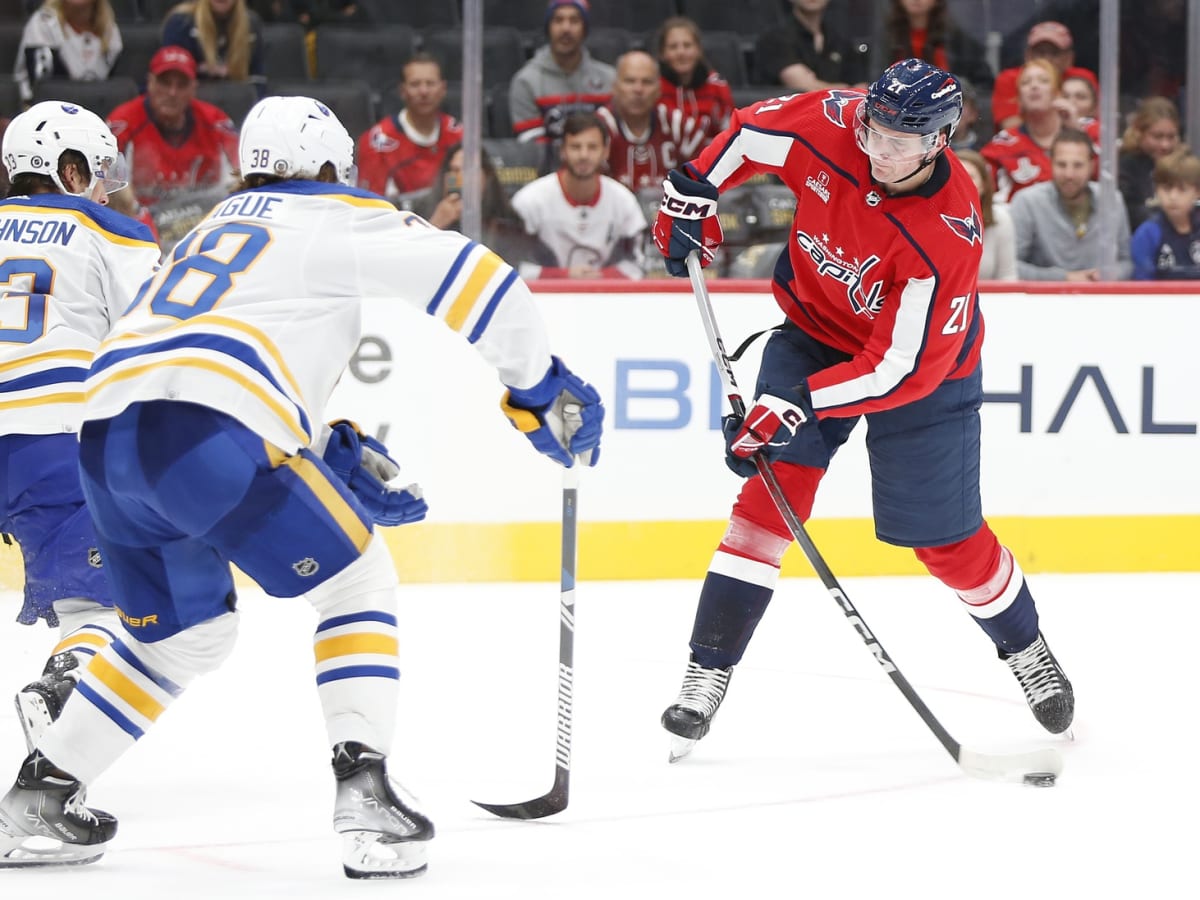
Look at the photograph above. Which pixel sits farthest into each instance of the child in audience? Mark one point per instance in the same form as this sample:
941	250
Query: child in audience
1167	245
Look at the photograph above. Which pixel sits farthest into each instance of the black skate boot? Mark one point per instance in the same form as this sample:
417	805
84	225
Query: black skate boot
384	835
48	803
689	717
41	702
1046	687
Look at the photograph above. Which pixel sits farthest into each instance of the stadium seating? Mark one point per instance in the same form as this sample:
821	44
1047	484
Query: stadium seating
234	97
285	54
101	97
503	52
350	100
140	41
374	55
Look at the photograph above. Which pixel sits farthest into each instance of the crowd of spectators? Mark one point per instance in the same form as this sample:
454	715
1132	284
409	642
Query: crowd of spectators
656	96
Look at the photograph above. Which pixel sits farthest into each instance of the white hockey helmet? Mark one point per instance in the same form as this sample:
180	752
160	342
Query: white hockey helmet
295	136
36	139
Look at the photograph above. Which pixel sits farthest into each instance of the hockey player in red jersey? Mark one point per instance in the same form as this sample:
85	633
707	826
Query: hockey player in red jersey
878	286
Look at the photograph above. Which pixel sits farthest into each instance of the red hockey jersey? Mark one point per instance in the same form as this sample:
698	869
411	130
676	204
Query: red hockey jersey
1018	161
888	280
710	103
204	156
394	160
640	161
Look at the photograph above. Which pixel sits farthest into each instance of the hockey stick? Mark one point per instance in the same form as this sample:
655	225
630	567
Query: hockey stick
1042	766
556	800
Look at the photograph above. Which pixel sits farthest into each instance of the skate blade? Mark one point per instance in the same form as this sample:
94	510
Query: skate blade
680	747
34	716
33	851
368	854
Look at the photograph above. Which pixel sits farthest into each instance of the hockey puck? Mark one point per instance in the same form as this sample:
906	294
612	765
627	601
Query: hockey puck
1041	779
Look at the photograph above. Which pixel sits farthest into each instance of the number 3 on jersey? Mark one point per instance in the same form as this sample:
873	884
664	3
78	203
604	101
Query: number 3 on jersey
202	269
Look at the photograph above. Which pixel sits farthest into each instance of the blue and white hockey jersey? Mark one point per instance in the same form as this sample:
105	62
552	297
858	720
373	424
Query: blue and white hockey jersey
68	269
256	313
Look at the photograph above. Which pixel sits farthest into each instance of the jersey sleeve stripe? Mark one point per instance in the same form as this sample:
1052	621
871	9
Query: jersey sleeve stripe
461	308
900	360
451	275
488	311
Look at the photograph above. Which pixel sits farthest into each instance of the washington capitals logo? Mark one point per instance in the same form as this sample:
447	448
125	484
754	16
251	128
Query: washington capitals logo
968	228
835	104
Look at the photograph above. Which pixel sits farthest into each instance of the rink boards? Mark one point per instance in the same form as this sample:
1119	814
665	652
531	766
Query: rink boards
1090	436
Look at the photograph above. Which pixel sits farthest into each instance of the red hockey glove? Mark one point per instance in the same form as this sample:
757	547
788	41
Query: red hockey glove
687	220
766	429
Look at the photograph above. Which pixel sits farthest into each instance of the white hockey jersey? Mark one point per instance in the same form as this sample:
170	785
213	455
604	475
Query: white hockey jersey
607	232
257	311
50	48
68	269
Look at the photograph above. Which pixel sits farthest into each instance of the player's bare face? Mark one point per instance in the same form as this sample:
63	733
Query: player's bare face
680	51
637	87
1071	167
170	94
423	88
584	154
566	31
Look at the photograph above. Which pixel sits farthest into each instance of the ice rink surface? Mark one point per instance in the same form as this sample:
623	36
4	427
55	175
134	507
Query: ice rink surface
818	780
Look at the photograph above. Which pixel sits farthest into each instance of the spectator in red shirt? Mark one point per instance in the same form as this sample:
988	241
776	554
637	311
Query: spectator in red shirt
645	140
689	83
1051	41
172	141
402	153
924	29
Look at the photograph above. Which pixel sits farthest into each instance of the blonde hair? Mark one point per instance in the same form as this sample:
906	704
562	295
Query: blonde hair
972	158
1149	111
238	36
103	19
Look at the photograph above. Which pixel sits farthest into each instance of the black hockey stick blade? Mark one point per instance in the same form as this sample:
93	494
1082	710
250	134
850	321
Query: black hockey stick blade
539	808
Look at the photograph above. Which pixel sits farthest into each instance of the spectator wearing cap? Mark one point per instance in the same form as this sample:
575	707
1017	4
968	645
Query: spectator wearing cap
402	153
79	40
224	37
173	142
562	77
1051	41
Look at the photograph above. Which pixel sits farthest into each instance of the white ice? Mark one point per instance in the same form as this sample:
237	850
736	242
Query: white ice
818	780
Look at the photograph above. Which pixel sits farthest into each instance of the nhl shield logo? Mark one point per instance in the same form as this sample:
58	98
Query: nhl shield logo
873	198
306	567
95	560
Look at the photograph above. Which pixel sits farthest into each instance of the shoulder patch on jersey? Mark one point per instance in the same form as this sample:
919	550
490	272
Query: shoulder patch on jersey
834	106
380	141
968	227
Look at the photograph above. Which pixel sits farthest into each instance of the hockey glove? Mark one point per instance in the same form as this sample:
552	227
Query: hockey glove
687	220
767	428
561	415
364	465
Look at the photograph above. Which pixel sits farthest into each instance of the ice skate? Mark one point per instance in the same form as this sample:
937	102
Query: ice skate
1046	687
44	820
383	833
41	702
689	717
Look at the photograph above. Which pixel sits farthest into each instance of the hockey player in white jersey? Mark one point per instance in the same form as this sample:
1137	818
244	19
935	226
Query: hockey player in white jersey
202	445
68	268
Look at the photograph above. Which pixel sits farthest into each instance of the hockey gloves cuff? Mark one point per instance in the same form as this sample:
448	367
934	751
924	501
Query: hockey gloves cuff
766	430
561	415
687	220
364	465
